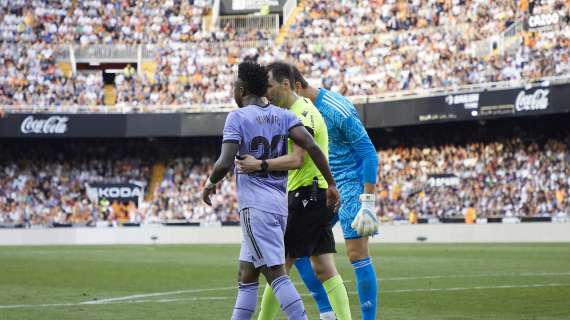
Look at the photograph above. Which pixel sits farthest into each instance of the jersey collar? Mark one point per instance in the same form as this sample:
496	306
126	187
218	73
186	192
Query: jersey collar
319	99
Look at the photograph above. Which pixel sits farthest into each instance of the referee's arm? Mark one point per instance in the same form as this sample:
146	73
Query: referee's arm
291	161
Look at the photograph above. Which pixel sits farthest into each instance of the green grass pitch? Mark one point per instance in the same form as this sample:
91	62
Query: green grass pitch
421	281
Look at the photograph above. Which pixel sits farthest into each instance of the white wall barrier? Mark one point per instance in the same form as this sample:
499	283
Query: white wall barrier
440	233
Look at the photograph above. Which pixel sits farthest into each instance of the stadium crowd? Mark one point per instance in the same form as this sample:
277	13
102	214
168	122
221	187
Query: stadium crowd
45	184
525	174
336	49
394	45
323	18
504	178
355	47
179	196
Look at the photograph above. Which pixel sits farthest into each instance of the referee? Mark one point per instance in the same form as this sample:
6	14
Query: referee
308	232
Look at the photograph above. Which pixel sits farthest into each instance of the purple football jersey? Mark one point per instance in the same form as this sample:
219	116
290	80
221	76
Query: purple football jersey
261	132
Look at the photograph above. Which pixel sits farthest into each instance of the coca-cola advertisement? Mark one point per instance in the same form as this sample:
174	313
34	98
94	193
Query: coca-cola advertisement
54	125
532	101
534	98
113	125
41	125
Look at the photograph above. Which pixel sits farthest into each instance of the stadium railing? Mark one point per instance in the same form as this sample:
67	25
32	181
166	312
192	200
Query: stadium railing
510	41
106	53
120	109
488	86
224	107
460	27
149	50
63	53
288	8
251	22
215	12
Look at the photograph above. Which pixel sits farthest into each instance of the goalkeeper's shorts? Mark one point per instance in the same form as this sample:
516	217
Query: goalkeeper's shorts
349	207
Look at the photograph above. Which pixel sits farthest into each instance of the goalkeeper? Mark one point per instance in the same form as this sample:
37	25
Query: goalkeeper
354	164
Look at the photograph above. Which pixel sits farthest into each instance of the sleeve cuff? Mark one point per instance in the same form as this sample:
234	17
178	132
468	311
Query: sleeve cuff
311	131
298	124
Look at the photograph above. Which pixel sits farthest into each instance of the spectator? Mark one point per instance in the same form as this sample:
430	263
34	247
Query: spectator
129	72
521	173
414	46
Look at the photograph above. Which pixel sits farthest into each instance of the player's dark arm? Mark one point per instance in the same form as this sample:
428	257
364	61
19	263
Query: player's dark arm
221	168
224	162
303	139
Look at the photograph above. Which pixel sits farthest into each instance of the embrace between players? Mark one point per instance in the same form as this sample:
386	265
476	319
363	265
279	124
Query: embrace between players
270	139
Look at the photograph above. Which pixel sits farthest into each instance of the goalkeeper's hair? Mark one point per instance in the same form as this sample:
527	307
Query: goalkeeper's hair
254	76
282	71
299	77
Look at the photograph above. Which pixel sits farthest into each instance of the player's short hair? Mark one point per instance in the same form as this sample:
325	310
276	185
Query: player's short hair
282	71
254	77
299	77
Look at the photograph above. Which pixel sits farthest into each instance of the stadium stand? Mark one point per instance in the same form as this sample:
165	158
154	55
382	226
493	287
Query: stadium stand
414	46
359	48
507	169
505	178
44	184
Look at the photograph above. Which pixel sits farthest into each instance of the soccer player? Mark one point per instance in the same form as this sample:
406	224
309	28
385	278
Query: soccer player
354	164
308	231
262	129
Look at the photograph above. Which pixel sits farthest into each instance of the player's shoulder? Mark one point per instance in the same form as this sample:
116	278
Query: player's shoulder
303	106
281	111
238	112
246	109
234	116
336	104
305	102
277	109
255	109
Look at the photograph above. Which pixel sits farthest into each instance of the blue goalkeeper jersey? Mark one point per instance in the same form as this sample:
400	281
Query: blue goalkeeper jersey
352	157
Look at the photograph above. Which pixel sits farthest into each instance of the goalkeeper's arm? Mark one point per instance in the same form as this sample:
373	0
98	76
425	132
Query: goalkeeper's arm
366	222
366	154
